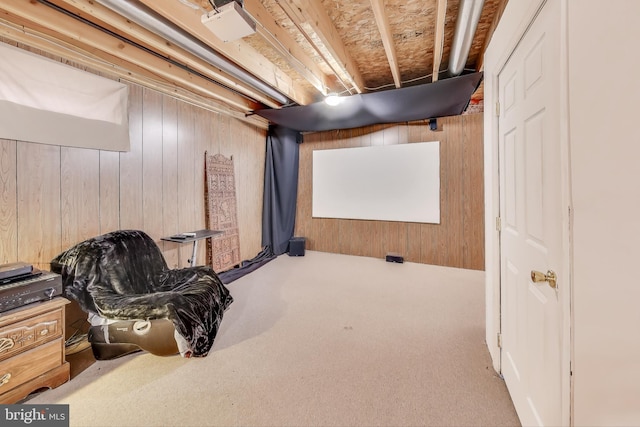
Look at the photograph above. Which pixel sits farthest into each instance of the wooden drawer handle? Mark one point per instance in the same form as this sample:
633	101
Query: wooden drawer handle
6	344
5	379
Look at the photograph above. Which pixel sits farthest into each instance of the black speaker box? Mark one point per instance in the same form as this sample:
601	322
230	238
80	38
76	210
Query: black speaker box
393	257
296	246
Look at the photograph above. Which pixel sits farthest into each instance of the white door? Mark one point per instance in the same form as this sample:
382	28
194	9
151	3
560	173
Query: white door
531	218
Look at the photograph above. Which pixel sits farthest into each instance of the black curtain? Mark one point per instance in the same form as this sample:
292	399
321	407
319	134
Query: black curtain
279	200
280	188
247	266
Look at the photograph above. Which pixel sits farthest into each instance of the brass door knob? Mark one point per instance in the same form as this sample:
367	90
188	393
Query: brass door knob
550	278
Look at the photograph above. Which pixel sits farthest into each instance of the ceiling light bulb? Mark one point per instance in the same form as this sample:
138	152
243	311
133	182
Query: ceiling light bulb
333	100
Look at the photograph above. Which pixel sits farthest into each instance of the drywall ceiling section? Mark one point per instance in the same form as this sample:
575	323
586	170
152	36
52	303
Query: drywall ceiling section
447	97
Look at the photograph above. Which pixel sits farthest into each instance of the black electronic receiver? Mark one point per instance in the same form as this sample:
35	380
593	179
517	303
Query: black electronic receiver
42	286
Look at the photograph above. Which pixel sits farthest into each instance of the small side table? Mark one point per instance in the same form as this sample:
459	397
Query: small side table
182	238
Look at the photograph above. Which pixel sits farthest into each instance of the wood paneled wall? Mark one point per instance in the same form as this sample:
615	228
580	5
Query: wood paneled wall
458	241
52	197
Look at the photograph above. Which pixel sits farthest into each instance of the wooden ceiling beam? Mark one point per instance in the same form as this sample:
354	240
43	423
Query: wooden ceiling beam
241	53
441	14
287	46
96	13
387	39
95	41
312	20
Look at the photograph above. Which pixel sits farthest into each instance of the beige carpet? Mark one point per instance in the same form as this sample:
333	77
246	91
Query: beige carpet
319	340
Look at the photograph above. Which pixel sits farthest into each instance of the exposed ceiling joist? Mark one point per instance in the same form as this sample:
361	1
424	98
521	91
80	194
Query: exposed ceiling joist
387	39
311	18
95	12
287	46
438	46
92	40
237	51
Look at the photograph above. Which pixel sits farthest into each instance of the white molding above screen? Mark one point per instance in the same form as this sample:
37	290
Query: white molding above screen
398	182
48	102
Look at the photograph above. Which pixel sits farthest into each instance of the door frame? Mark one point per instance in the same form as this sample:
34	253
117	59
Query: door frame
515	21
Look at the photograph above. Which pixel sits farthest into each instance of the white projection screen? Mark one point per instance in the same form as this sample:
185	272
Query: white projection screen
389	183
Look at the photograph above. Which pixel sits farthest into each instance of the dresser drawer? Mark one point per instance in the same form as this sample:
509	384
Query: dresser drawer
20	369
26	334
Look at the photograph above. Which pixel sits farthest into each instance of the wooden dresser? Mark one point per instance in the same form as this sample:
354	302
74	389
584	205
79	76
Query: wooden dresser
32	349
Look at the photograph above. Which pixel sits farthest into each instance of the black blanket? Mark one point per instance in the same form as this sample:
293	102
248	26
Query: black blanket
123	276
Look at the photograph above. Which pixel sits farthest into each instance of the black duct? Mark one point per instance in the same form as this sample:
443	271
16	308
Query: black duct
442	98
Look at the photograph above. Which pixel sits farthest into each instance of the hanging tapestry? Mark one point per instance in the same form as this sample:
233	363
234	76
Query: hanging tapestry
223	250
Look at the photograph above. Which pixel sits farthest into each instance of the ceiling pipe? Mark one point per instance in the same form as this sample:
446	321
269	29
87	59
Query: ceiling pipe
468	16
152	21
